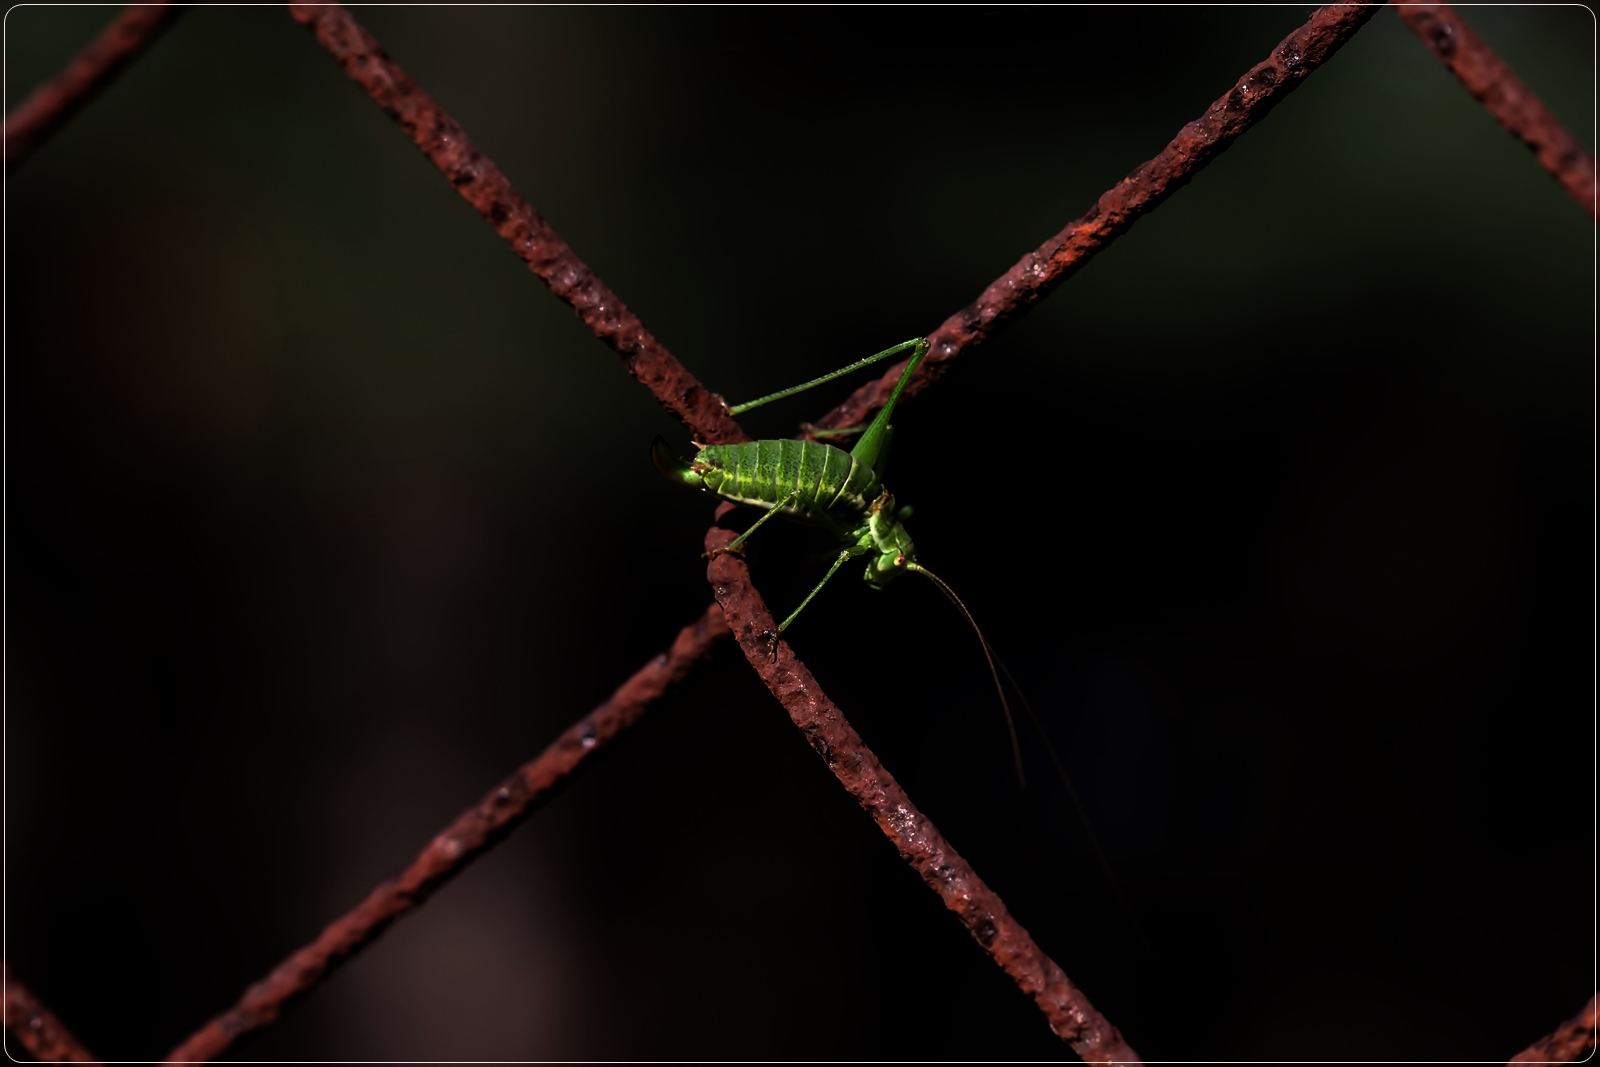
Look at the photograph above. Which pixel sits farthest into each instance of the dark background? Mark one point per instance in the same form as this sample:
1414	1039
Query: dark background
322	515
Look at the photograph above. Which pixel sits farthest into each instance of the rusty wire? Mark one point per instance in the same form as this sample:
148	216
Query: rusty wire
1571	1042
482	184
50	105
40	1032
471	834
1502	93
918	841
535	242
1258	91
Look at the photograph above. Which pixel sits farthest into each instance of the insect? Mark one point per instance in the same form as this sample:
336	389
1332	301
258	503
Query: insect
818	484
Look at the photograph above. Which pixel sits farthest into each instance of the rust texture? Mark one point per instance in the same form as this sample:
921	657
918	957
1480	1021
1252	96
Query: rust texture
1040	271
1572	1042
982	912
54	102
472	833
919	842
40	1032
476	178
1512	104
538	245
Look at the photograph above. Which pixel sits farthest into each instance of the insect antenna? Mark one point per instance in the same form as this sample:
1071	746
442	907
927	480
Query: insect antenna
1083	815
1005	705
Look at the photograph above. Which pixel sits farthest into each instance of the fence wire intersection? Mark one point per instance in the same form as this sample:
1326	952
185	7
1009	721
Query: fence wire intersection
739	609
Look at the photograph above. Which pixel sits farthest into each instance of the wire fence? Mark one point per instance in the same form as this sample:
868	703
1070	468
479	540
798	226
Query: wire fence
739	610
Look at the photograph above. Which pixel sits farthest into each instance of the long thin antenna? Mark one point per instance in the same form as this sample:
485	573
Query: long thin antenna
1005	705
1083	813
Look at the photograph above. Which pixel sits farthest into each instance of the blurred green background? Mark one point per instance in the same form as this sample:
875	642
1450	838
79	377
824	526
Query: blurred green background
322	514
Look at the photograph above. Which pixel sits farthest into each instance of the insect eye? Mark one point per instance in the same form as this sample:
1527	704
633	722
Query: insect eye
899	561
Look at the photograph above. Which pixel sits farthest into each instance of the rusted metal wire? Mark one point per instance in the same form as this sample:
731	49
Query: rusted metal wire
472	833
1040	271
480	182
919	842
980	910
486	188
51	104
1512	103
40	1032
1572	1042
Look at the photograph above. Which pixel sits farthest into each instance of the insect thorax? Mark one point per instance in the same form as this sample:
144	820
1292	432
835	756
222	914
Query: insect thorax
892	547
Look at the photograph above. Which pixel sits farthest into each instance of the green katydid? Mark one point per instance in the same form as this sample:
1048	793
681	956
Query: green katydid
820	485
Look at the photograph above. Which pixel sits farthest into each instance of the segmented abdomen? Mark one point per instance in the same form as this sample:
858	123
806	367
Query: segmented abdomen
766	473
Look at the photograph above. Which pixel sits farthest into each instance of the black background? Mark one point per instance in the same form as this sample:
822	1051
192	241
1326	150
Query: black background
322	515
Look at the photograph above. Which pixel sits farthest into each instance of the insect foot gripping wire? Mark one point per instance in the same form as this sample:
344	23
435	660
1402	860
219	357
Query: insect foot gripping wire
811	482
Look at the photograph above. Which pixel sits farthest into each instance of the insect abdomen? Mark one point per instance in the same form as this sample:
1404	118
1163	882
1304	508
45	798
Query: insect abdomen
767	473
